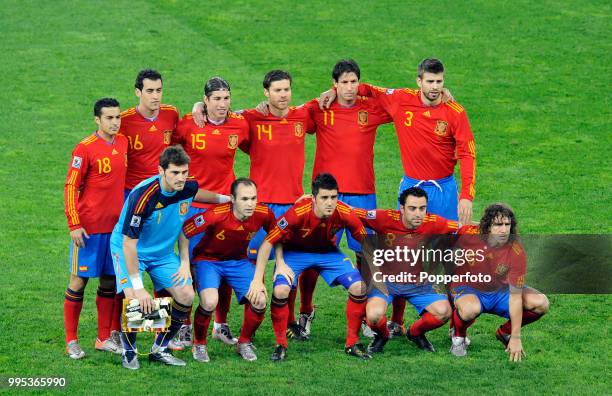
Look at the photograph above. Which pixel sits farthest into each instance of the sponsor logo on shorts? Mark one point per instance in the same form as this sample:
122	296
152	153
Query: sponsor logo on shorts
76	162
135	221
371	214
390	91
282	223
83	268
199	221
123	281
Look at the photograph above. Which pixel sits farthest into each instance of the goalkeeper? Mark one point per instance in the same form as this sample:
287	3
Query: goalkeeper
144	239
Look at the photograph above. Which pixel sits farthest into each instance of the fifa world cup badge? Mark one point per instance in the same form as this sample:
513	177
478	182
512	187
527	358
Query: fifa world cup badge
299	129
362	117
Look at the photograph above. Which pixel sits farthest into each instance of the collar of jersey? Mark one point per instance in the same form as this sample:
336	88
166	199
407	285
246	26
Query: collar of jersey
164	193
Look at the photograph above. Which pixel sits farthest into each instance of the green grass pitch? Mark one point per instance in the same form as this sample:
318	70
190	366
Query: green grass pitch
534	78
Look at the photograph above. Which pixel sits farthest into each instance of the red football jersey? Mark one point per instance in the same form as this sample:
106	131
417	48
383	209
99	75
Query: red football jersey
299	228
93	193
345	142
212	150
226	238
393	233
276	147
147	140
506	264
431	138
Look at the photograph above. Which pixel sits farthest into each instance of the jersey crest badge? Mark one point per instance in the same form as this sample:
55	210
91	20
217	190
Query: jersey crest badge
362	117
199	221
299	129
135	222
371	214
441	128
76	162
167	136
282	223
232	141
183	208
501	269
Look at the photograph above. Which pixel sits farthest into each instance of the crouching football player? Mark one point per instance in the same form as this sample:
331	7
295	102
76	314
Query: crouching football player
144	239
505	295
410	227
221	255
307	232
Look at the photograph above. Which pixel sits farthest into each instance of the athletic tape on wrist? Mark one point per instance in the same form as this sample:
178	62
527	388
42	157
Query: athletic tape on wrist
136	282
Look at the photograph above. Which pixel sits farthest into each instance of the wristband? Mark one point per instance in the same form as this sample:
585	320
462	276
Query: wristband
136	282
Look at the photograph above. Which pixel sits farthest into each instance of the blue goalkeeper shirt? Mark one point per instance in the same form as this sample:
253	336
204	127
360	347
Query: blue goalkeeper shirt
154	217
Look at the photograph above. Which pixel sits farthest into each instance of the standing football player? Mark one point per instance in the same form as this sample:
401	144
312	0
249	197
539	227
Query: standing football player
212	149
148	127
93	196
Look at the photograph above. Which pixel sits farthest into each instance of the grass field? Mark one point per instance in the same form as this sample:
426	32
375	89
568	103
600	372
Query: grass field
533	76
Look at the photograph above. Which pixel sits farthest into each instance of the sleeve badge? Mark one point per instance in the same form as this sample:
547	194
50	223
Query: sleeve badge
76	162
135	222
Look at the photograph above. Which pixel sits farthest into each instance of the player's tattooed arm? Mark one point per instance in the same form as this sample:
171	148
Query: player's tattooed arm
515	346
137	290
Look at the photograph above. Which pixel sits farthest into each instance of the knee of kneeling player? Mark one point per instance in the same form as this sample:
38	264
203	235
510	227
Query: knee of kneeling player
441	310
185	295
374	314
357	288
541	304
281	291
468	311
259	306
